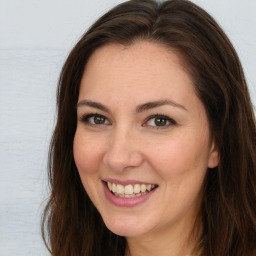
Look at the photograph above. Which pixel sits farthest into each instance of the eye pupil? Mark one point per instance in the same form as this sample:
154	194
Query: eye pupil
160	121
99	120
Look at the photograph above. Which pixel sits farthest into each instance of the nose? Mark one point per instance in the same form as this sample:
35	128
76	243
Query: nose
123	151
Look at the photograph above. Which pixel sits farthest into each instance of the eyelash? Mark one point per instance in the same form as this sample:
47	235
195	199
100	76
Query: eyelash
170	121
85	119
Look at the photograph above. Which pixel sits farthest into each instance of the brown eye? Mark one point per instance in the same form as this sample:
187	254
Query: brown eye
95	119
99	120
160	121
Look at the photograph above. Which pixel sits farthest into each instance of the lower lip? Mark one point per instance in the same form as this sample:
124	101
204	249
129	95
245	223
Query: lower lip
126	202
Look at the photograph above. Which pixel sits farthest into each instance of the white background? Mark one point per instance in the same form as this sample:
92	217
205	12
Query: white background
35	38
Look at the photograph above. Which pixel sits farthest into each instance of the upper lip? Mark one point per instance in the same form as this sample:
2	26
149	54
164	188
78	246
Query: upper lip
127	182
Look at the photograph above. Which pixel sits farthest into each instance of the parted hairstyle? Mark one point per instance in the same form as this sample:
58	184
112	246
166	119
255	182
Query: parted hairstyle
71	225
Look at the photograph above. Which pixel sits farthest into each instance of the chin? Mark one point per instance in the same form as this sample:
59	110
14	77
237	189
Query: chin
125	228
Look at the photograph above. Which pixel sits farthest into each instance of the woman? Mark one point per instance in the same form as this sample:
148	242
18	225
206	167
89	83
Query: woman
154	147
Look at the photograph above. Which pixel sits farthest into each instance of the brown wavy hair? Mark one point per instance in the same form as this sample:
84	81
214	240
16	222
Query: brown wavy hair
71	225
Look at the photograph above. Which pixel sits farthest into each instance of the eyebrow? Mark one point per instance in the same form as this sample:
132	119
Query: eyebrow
93	104
139	109
159	103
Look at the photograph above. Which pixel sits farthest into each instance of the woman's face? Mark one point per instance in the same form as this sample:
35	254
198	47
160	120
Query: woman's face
142	132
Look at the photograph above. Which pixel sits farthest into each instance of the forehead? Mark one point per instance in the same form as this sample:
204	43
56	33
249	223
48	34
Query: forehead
144	66
150	54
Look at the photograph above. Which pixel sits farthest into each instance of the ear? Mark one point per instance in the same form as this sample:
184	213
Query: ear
214	156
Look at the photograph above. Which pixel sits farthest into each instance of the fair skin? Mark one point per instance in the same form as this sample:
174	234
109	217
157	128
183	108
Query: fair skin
140	122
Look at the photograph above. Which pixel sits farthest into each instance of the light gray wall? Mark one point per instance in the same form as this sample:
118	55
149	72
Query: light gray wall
35	38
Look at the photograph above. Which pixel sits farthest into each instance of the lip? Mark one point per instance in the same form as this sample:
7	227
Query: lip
126	202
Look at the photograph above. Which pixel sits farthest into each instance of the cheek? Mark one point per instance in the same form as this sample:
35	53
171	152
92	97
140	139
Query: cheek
87	154
180	157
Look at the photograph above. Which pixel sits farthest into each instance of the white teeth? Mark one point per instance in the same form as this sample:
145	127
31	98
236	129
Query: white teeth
109	186
113	187
136	188
130	190
143	188
119	189
129	196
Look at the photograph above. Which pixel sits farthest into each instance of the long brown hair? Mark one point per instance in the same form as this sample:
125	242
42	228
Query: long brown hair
71	223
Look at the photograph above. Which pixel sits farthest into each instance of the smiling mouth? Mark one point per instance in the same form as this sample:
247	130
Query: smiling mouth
130	190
